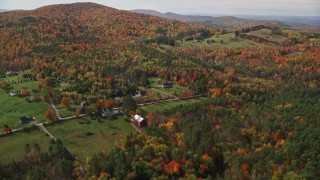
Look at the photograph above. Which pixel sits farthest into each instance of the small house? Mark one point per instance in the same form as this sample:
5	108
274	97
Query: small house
63	84
110	112
138	94
12	94
84	104
167	84
116	111
106	112
140	121
27	119
10	73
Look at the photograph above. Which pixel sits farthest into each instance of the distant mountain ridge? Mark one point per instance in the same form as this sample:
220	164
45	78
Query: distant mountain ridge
4	10
313	20
225	21
169	15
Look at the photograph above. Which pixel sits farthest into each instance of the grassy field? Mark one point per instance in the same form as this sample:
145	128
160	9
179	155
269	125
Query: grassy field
227	43
266	34
12	108
21	85
16	77
175	88
154	81
167	105
84	140
65	112
25	85
13	145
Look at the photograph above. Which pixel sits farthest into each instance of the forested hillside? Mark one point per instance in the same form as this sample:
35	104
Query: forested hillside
78	32
259	120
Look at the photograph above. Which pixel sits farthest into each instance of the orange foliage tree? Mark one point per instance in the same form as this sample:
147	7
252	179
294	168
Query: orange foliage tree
66	101
50	114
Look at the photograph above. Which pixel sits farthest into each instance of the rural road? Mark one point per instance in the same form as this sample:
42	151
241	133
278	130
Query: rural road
46	131
134	126
54	108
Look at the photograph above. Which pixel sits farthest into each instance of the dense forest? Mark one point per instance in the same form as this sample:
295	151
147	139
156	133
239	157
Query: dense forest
260	120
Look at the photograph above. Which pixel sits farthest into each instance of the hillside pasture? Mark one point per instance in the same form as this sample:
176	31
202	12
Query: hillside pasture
13	108
18	82
156	88
266	34
223	41
86	137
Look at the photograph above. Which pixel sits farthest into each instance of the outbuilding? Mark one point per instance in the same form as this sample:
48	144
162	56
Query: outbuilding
167	84
12	94
26	119
139	120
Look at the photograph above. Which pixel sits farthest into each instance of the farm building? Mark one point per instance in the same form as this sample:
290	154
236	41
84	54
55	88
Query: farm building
140	121
107	112
11	73
12	94
167	84
26	119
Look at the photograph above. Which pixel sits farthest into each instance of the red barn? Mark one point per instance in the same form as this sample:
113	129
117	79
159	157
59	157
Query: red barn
140	121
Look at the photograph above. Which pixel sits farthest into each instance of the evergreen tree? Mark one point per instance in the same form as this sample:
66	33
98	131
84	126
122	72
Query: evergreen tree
129	104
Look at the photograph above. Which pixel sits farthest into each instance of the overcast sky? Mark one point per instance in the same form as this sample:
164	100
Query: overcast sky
205	7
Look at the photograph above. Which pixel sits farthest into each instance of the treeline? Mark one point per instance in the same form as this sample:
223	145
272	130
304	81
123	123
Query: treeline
37	163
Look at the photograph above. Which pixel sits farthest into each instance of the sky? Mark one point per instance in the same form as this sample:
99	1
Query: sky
200	7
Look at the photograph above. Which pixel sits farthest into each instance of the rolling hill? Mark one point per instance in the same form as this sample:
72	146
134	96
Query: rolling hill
225	21
71	31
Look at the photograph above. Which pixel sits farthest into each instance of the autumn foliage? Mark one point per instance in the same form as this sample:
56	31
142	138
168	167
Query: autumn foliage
257	119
